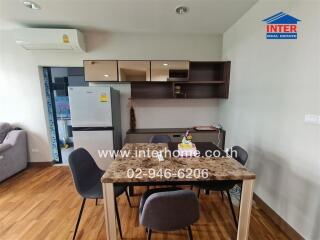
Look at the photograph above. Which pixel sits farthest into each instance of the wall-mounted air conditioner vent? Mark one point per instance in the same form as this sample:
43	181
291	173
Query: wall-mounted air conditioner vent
44	39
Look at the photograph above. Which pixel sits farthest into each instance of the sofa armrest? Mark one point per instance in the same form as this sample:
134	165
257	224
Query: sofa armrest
14	136
4	146
13	159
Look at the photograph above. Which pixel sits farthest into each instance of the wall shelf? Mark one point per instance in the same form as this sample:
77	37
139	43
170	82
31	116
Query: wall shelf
206	80
169	79
200	82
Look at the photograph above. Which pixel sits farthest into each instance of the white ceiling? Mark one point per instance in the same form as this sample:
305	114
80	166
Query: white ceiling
205	16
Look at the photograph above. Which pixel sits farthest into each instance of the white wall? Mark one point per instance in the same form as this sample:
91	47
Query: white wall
273	84
20	85
175	113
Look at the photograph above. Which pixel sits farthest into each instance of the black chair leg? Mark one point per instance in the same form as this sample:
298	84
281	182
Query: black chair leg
199	192
190	233
128	198
222	195
118	217
131	191
96	201
149	233
232	209
79	218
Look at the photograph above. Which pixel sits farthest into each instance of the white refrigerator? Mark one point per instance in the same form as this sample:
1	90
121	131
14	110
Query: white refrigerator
96	121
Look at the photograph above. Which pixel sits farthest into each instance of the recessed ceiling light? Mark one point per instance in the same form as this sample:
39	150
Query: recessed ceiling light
106	75
31	5
165	64
182	10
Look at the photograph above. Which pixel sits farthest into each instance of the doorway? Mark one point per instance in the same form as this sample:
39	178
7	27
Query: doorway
56	81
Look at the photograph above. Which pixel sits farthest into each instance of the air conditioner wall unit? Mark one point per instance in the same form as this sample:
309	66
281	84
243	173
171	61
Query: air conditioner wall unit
46	39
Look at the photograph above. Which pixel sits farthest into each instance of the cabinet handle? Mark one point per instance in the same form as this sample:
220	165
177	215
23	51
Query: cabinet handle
176	135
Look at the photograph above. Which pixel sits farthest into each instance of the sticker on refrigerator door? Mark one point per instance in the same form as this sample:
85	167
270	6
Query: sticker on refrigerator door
104	97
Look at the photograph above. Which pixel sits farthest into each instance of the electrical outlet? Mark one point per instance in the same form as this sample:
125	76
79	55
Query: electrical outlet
311	118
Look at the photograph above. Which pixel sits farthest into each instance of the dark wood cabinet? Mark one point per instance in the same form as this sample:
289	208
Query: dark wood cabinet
206	80
164	79
152	90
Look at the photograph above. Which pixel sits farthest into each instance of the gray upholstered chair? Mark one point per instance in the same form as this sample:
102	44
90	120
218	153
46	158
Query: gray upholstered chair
160	139
241	155
169	210
87	179
13	151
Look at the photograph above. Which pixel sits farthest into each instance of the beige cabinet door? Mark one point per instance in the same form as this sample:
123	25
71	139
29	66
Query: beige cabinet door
163	71
134	71
100	70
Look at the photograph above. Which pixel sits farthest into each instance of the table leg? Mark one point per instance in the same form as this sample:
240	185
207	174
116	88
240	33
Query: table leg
109	211
245	210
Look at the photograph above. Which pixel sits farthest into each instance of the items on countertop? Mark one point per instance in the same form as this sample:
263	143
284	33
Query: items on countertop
186	148
206	128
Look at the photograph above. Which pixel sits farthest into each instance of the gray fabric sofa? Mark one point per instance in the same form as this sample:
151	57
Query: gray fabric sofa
13	151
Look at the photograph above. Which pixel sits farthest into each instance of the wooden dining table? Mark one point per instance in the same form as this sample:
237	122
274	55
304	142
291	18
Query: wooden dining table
138	164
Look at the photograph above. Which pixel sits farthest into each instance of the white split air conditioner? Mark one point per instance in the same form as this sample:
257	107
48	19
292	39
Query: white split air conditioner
37	39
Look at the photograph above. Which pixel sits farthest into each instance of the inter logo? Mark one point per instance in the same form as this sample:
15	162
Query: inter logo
281	26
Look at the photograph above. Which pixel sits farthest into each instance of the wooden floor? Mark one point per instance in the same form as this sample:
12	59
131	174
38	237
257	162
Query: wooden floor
41	203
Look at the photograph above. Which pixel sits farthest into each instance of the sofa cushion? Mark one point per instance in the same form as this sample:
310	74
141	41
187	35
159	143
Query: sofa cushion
4	129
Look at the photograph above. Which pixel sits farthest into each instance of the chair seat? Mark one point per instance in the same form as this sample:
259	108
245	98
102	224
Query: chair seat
96	191
148	193
218	185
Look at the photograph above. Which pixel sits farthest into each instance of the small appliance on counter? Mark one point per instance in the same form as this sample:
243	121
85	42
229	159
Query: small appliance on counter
96	121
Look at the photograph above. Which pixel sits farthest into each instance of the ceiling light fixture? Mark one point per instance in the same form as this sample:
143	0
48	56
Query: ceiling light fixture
165	64
106	75
31	5
182	10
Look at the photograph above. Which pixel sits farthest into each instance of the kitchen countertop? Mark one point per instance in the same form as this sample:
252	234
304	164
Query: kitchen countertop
221	168
167	130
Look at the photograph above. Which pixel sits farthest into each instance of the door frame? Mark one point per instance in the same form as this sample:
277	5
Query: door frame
52	116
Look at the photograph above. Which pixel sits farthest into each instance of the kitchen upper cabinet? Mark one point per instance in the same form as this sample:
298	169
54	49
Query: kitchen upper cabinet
164	71
164	78
134	71
100	70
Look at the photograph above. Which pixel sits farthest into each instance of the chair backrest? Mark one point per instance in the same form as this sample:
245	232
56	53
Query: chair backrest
240	154
160	139
169	211
84	169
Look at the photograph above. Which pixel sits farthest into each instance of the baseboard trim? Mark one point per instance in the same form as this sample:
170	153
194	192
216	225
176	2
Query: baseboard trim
284	226
40	164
